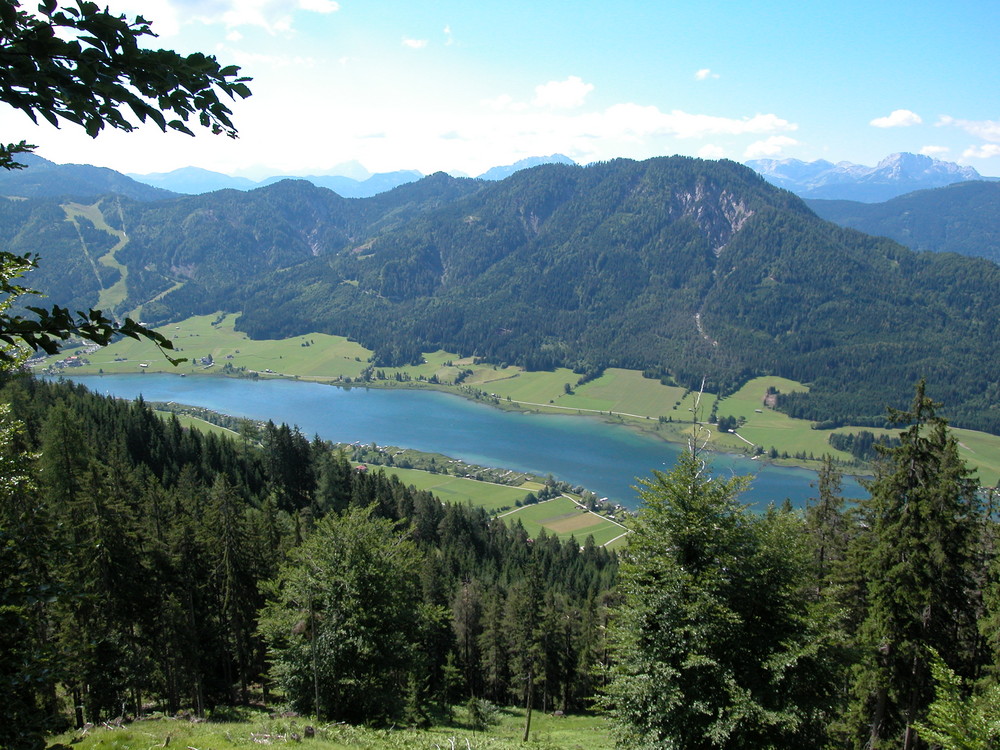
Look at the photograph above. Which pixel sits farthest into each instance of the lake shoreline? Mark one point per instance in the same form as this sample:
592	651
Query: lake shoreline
633	423
583	452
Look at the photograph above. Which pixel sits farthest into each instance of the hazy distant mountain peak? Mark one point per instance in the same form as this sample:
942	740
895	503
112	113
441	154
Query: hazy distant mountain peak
500	173
353	169
194	181
905	165
895	175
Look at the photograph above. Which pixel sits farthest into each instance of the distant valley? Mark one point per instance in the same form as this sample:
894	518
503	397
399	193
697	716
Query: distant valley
685	269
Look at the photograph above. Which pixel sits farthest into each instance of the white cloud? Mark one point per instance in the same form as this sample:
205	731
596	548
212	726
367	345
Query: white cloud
988	130
704	74
415	43
898	118
934	150
647	120
448	38
567	94
710	151
769	146
504	103
985	151
319	6
274	16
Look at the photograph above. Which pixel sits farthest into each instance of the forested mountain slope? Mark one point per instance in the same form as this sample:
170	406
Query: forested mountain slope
45	179
681	267
963	218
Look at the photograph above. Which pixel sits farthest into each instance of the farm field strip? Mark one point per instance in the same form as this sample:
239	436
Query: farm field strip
460	490
564	516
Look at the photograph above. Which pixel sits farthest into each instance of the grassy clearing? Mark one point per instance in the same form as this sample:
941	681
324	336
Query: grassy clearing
563	517
452	489
446	368
572	732
766	427
533	387
981	451
113	296
316	356
198	424
627	392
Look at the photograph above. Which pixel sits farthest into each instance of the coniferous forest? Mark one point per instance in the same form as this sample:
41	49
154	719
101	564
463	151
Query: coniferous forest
182	570
150	567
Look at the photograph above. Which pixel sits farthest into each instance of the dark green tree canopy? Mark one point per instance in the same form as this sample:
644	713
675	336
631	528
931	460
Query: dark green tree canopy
714	645
79	64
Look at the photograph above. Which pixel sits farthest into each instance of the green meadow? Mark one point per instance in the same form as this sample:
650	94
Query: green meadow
560	516
623	396
452	489
563	517
766	427
247	728
315	356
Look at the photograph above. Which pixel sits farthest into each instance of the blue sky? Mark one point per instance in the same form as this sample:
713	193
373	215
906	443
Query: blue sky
463	86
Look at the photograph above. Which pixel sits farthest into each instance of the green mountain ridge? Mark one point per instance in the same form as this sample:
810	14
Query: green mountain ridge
963	218
686	269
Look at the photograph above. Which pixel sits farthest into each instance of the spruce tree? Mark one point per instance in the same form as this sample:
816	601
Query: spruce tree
923	518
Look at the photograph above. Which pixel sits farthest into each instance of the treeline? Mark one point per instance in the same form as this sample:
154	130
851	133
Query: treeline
863	445
146	564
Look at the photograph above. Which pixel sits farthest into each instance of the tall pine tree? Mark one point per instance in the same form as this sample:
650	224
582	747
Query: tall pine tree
922	518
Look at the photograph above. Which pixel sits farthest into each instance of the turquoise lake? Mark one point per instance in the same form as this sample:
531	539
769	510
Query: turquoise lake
604	458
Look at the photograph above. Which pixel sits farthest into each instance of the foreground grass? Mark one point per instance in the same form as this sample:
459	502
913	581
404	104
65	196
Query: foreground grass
619	395
572	732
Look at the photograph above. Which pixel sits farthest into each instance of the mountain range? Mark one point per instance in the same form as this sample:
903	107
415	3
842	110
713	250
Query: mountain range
895	175
683	268
358	183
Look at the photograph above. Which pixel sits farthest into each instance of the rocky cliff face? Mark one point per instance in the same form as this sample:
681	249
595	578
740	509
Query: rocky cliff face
720	214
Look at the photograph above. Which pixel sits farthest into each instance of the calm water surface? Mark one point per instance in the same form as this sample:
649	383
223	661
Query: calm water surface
604	458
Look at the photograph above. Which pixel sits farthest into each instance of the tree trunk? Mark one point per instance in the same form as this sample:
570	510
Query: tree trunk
527	712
